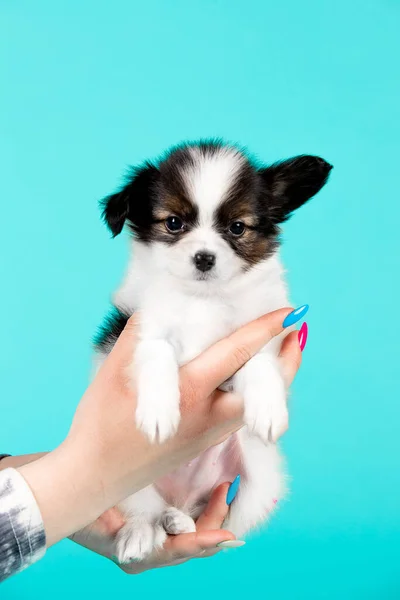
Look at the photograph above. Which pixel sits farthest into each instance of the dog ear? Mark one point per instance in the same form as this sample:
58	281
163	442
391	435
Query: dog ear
133	202
292	182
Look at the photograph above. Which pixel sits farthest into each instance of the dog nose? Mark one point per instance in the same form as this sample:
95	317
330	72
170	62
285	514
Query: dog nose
204	261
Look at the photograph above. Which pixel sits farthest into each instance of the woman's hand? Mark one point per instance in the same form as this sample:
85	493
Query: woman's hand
105	458
99	536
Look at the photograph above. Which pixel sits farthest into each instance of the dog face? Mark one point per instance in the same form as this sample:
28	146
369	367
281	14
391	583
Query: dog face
207	213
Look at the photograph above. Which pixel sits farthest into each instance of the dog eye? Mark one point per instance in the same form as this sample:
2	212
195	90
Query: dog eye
237	228
174	224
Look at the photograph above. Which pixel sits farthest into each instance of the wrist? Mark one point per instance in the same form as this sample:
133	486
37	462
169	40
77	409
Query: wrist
67	490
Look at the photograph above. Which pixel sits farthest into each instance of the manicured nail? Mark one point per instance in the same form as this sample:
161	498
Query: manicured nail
295	315
233	490
303	333
231	544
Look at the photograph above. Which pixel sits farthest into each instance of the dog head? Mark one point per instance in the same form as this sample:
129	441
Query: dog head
207	213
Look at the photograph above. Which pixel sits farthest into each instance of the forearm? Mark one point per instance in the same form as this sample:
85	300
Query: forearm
17	461
64	489
22	535
67	490
44	498
64	486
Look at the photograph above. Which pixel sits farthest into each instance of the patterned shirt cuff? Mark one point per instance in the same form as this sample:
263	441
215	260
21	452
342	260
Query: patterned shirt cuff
22	535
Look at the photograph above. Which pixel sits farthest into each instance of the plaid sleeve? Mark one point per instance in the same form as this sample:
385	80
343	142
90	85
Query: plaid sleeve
22	535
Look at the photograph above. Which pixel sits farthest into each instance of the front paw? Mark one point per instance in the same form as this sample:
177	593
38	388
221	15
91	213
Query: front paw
265	411
156	374
157	412
138	539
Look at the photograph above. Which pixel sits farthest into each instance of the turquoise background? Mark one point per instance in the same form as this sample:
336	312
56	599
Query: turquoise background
89	87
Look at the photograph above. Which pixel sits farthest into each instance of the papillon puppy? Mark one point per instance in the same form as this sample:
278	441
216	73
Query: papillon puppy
204	222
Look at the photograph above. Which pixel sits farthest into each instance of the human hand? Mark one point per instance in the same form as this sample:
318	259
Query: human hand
99	536
105	458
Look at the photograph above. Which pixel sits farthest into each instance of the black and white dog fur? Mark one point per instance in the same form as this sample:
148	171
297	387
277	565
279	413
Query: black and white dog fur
205	230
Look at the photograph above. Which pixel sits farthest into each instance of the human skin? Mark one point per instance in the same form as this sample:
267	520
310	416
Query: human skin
105	458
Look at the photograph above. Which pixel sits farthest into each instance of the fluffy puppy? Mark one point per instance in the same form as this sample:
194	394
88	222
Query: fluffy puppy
205	225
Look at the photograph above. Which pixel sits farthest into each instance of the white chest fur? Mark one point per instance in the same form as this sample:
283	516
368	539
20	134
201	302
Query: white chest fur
176	324
193	318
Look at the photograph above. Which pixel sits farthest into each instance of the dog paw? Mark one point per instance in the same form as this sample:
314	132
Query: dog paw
137	539
155	372
175	522
157	412
265	411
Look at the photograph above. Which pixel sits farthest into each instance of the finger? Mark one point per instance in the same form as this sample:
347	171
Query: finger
216	510
290	357
192	544
227	356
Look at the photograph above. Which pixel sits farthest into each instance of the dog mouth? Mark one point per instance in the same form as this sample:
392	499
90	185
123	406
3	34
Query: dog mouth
204	276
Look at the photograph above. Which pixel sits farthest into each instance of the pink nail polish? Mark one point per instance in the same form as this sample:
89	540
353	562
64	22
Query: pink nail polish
302	335
275	500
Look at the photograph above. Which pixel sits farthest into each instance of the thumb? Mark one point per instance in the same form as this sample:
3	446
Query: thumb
214	366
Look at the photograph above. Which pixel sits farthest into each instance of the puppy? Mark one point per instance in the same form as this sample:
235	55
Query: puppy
205	233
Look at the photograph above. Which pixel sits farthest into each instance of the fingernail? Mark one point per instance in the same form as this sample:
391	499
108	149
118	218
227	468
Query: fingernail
295	315
231	544
233	490
303	333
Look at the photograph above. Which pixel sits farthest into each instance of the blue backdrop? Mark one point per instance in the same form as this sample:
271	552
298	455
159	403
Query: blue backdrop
89	87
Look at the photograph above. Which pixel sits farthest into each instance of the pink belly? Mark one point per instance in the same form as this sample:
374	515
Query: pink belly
189	487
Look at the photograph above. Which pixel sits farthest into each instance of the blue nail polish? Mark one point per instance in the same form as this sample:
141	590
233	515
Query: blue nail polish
295	315
233	490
